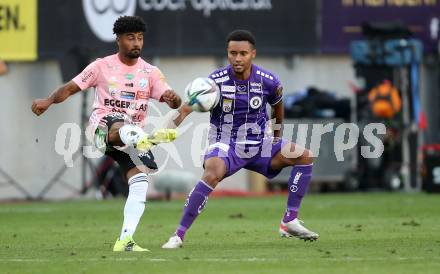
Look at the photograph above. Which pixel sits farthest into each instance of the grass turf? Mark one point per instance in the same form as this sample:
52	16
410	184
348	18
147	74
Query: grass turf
360	233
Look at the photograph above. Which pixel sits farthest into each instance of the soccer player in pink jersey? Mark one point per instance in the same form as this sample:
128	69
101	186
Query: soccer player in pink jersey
124	83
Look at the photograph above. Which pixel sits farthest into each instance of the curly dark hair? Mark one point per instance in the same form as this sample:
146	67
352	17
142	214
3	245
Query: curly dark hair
126	24
241	35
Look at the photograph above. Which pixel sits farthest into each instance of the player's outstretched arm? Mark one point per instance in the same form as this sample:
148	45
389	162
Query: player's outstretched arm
172	99
175	118
39	106
184	111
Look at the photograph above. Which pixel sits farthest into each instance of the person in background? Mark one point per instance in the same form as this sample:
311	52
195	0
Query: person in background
3	67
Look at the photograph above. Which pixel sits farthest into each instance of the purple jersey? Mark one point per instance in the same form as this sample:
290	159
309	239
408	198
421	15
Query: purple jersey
241	115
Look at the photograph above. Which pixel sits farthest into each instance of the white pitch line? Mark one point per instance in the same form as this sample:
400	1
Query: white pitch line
25	260
27	210
251	259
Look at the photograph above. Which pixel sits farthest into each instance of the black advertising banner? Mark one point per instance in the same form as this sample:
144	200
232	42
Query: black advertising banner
178	27
342	20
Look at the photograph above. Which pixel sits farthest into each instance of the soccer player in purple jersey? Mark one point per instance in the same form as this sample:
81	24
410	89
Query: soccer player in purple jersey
238	138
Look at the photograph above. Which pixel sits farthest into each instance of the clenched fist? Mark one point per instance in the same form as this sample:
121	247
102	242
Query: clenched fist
171	98
39	106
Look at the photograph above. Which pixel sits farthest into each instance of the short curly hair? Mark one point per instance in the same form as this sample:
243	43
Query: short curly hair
126	24
241	35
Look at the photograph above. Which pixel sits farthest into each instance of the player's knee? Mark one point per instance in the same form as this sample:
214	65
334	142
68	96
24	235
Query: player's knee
211	177
306	158
113	134
309	157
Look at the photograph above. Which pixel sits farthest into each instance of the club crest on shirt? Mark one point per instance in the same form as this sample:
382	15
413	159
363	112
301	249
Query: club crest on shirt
143	83
112	87
255	102
113	92
227	105
241	88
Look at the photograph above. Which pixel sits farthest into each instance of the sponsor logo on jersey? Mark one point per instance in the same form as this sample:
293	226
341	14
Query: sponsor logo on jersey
141	95
86	75
112	68
256	87
227	88
143	83
129	76
144	70
255	102
116	116
130	85
228	95
222	79
227	105
125	104
279	91
128	95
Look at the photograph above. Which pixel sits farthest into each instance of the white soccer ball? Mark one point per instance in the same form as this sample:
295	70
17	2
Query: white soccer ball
202	94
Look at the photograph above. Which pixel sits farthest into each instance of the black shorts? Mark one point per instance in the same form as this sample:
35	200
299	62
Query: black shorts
129	157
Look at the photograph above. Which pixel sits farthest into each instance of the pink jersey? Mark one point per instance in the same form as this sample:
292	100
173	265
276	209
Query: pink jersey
121	88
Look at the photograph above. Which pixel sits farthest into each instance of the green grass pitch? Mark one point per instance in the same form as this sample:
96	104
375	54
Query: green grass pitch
359	233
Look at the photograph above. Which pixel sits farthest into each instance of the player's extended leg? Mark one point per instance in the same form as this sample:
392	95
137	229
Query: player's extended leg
215	170
121	134
301	161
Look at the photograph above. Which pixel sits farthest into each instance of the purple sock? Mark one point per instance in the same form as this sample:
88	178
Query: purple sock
298	184
195	203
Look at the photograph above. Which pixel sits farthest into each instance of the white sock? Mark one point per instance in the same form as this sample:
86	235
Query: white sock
135	204
130	134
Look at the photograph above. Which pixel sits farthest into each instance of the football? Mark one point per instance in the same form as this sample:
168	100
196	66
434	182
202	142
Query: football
202	94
